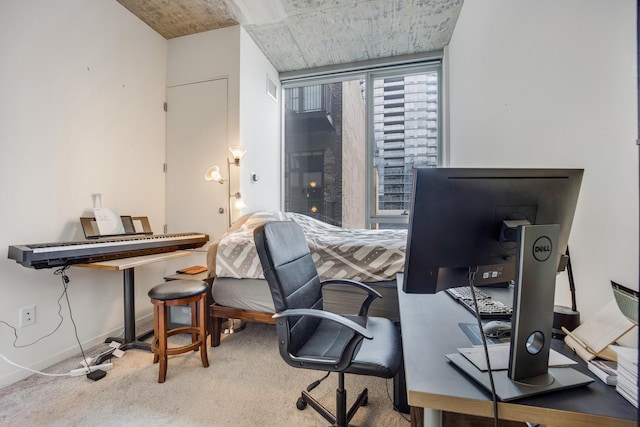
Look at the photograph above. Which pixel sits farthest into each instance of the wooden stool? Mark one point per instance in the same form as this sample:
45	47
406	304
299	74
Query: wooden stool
179	292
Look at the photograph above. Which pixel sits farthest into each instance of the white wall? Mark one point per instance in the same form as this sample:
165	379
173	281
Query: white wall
207	56
552	84
82	87
259	128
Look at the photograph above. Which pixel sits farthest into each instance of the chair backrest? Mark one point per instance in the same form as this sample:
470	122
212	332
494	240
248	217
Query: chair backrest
291	273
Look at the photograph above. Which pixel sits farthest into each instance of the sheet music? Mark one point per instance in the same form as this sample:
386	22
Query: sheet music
108	221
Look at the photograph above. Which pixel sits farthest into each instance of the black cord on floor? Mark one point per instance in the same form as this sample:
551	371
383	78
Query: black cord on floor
472	275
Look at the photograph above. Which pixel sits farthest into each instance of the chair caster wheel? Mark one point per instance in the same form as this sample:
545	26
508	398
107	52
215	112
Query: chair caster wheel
301	404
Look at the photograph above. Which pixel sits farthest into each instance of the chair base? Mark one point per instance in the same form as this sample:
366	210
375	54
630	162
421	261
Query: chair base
342	417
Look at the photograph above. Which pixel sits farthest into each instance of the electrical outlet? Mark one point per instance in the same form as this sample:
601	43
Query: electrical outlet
27	316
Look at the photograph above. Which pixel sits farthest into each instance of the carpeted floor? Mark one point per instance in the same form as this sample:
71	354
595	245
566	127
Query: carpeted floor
246	384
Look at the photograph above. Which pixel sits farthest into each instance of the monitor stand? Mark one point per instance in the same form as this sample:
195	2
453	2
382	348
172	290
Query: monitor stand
507	389
532	323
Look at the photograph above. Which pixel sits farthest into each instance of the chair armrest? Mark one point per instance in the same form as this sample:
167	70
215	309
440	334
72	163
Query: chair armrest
319	362
326	315
373	294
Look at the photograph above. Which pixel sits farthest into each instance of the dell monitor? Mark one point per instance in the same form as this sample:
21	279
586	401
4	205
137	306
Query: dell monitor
497	226
457	221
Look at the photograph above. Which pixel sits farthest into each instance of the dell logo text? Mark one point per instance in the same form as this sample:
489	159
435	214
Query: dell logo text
542	248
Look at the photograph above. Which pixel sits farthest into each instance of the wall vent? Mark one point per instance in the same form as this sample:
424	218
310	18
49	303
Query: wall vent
272	89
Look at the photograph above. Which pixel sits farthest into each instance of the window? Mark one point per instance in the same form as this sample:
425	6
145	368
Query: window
325	152
351	144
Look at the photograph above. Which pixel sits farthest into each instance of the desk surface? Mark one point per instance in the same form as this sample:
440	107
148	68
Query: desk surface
125	263
430	330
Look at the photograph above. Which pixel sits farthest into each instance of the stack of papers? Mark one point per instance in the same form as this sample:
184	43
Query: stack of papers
605	370
627	373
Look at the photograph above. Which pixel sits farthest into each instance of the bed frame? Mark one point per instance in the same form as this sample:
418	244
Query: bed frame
220	313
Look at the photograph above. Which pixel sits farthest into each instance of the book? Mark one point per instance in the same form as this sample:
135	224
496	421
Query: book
195	269
593	337
605	370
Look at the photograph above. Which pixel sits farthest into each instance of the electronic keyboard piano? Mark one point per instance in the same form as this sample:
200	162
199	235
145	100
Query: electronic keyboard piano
49	255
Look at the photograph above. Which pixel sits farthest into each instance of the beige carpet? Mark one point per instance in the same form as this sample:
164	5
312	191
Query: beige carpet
246	384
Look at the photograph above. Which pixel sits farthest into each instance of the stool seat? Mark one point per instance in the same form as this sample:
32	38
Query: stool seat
174	293
176	289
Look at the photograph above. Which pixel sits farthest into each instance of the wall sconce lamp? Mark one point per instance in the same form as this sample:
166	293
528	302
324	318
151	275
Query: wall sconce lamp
213	174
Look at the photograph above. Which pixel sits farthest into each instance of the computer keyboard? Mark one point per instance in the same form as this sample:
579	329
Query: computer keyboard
489	308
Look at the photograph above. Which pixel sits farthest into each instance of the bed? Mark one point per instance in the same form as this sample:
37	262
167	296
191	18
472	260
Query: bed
240	291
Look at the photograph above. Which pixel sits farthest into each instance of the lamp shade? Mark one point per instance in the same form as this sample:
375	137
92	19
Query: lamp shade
239	203
237	152
213	174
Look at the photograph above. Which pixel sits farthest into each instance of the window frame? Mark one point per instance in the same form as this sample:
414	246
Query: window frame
370	70
372	217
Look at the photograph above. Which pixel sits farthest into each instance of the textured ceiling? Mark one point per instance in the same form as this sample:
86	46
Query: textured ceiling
302	34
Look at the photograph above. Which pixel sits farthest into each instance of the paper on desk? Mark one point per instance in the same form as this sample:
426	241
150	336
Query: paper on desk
499	357
626	353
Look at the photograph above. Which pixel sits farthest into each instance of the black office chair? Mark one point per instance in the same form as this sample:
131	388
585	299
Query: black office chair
311	338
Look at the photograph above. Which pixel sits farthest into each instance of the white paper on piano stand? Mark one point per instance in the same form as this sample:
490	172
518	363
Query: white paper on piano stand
108	221
499	357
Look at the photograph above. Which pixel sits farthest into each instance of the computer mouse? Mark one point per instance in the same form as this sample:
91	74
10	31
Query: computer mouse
497	329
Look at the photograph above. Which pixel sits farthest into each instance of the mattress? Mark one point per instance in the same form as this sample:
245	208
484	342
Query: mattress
357	254
246	294
369	256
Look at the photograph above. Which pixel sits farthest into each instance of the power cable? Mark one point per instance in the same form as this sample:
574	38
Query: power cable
15	331
494	398
65	281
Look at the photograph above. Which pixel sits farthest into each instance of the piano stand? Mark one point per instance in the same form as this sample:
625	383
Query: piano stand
127	266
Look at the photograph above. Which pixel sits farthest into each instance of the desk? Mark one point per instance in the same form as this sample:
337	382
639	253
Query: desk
127	266
430	330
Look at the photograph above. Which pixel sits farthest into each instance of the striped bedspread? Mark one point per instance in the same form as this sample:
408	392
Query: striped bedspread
363	255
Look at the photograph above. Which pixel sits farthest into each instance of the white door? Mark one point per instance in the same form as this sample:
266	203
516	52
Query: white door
196	139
